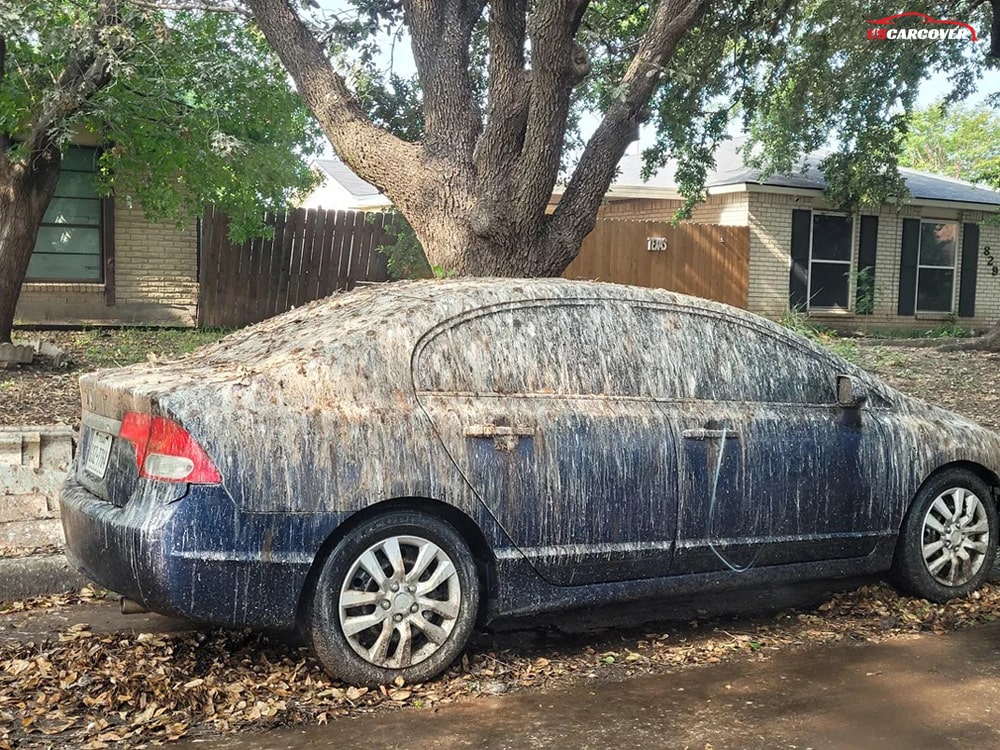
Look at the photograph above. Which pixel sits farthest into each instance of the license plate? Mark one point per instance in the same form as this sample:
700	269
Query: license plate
98	454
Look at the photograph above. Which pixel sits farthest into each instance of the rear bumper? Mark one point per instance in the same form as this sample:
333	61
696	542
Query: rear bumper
197	557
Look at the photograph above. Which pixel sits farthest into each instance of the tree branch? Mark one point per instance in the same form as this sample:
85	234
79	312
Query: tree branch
500	144
441	36
203	6
558	65
388	162
83	76
575	215
4	135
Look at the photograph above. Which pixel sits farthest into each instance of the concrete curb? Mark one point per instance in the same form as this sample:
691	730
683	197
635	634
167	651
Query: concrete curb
37	575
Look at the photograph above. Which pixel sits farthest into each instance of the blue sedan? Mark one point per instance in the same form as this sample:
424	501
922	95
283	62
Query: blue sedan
385	469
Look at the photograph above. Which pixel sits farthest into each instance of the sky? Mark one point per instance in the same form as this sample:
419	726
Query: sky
937	87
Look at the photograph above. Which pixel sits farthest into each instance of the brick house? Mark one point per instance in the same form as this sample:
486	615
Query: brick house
934	257
98	260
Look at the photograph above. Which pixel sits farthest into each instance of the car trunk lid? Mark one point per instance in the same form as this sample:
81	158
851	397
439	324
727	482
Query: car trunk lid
125	439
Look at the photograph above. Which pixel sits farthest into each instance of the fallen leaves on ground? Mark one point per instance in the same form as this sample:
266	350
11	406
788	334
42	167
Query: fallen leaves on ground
963	381
85	595
98	690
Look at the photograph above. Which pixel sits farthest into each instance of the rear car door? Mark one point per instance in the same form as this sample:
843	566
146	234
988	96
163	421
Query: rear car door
543	409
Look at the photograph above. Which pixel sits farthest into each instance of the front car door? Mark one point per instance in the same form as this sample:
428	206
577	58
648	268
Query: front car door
772	470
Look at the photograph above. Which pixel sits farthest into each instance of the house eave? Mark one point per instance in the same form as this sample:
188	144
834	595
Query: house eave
616	192
818	192
959	205
624	192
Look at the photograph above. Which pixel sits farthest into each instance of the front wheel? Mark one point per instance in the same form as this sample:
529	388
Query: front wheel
398	597
948	542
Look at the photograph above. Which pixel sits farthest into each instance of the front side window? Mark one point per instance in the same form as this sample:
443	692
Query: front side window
936	266
830	261
68	247
705	356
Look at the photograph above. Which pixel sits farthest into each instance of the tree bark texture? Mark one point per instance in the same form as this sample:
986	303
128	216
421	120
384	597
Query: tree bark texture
988	342
28	181
477	187
23	200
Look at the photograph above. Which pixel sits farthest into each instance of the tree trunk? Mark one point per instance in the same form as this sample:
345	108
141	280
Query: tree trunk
24	197
475	191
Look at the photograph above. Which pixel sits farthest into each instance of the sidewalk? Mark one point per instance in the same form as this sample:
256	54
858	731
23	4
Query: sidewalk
37	575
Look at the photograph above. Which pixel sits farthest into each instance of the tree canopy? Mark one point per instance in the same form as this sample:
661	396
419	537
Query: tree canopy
959	141
191	106
471	146
188	107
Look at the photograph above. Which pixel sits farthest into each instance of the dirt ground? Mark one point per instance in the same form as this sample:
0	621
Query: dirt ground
46	393
888	696
966	382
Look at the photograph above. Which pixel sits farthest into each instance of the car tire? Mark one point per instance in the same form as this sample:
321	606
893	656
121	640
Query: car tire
948	542
397	598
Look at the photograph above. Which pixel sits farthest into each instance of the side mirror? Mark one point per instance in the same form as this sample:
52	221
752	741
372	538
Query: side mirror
852	393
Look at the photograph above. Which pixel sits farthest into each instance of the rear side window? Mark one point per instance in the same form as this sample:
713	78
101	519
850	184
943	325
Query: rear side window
562	348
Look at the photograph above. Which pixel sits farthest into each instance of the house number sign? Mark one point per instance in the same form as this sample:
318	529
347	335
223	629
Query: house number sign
991	261
656	244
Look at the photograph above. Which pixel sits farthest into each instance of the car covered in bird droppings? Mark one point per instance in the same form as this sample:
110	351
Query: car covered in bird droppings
387	468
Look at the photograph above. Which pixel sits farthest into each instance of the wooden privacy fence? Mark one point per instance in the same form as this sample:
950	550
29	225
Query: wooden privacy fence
706	260
311	254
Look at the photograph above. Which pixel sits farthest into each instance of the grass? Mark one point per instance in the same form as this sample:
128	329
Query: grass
116	347
846	346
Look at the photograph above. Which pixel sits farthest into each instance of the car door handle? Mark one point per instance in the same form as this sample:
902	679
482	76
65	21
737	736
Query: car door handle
705	434
499	430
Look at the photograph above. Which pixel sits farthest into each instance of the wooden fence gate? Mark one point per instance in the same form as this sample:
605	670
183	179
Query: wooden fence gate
706	260
311	254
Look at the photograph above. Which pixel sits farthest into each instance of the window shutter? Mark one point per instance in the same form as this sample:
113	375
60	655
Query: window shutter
970	264
798	279
864	296
908	267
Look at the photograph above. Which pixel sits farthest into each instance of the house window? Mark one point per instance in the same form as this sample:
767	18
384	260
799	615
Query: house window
830	261
936	266
68	247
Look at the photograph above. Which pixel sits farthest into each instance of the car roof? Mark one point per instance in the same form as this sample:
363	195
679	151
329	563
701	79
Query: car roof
361	342
394	316
419	305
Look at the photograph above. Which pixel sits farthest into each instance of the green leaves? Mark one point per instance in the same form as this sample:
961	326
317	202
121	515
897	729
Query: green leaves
958	141
197	108
794	76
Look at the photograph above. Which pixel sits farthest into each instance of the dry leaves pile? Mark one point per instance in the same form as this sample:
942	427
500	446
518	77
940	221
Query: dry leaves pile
97	690
963	381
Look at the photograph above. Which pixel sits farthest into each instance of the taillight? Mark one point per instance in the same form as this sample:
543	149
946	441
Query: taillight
164	450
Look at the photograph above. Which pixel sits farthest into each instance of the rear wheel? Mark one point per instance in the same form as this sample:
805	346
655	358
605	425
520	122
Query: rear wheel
948	542
398	597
